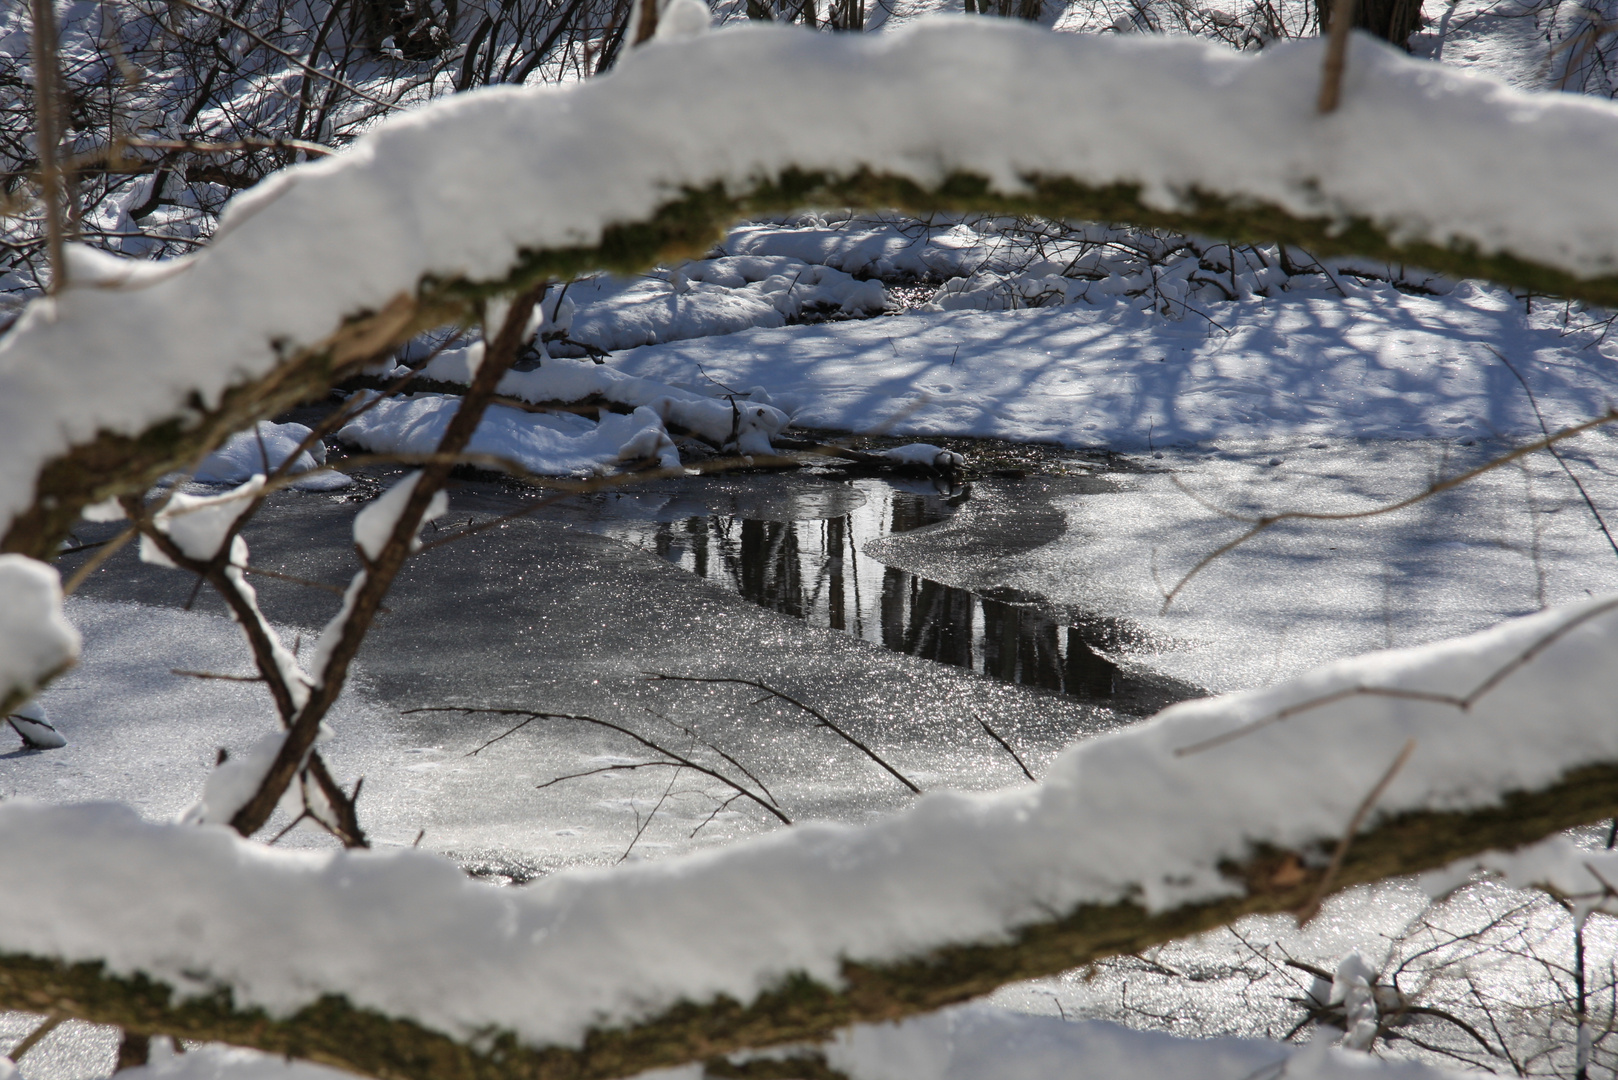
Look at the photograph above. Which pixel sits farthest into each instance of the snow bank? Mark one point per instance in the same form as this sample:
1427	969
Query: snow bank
871	246
707	297
1382	364
562	443
35	638
556	444
1127	815
460	187
264	449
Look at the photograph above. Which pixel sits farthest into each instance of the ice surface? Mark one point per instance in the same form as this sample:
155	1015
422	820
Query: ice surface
1304	592
964	1043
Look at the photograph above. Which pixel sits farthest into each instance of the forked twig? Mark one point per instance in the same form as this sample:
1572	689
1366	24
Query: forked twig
675	758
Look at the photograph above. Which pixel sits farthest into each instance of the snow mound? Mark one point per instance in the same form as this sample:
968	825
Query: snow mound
708	297
550	443
263	450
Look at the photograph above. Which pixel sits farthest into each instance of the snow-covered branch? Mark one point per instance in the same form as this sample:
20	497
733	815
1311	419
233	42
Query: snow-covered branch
395	964
327	265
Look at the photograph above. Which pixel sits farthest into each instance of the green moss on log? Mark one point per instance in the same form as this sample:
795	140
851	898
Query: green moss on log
798	1010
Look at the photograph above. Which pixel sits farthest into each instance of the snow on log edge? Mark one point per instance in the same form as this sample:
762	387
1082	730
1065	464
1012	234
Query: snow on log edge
1134	837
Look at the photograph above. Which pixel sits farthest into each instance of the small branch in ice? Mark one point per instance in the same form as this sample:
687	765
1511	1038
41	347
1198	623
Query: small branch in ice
1589	503
1266	522
995	735
673	758
1463	702
215	675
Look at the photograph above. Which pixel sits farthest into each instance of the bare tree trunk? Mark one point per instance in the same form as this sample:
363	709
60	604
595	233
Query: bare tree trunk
1390	20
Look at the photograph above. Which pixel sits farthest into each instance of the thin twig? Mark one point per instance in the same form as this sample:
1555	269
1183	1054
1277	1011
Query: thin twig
215	675
1312	908
1463	702
1268	521
1554	452
622	730
311	69
33	1038
995	735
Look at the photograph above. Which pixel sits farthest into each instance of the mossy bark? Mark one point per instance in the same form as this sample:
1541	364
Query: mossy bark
798	1009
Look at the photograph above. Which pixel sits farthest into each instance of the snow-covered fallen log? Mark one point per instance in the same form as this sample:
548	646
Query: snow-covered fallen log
327	266
395	964
967	1043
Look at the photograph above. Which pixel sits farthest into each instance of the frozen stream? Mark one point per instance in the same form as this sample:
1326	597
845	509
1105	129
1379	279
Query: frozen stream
903	611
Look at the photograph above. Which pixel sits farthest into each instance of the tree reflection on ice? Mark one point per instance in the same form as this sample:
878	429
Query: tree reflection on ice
816	570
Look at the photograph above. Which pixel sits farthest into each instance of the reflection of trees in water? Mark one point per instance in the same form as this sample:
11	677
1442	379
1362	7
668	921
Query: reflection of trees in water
781	566
767	570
